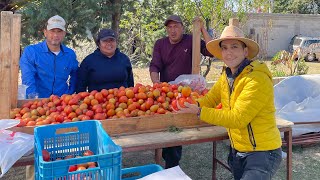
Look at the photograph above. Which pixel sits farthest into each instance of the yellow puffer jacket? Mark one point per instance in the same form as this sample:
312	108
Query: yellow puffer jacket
248	112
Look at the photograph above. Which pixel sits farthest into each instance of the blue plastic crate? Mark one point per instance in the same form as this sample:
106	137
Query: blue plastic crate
73	139
133	173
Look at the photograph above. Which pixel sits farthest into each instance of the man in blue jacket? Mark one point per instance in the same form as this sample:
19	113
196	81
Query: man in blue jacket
49	67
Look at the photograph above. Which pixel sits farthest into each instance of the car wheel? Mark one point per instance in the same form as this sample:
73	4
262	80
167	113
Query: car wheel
310	57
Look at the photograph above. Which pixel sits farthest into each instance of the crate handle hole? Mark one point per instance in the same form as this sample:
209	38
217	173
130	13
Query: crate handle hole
67	130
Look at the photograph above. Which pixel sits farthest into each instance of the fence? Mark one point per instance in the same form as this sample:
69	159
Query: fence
10	32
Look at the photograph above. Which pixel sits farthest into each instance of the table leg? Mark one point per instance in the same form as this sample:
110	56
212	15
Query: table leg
214	160
288	139
158	156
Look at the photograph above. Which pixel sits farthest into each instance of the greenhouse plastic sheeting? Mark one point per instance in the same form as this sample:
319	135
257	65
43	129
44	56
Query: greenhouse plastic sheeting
297	99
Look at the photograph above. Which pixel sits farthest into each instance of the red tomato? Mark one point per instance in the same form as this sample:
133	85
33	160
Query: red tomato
45	155
88	153
181	102
219	106
174	105
73	168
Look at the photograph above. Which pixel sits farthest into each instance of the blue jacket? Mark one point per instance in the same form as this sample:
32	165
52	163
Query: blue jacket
97	72
46	73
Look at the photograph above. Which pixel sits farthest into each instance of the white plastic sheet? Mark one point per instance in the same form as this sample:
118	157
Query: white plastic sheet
297	99
13	144
175	173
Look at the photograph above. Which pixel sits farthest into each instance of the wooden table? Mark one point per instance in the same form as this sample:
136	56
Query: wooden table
159	140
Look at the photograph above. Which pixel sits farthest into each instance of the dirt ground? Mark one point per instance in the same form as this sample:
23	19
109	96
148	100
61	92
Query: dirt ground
196	160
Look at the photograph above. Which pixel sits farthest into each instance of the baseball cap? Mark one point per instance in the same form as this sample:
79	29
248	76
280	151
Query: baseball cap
175	18
56	22
106	34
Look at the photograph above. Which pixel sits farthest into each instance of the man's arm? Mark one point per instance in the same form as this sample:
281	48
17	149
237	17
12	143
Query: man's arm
28	71
73	76
206	37
156	63
130	80
203	30
205	34
155	78
82	77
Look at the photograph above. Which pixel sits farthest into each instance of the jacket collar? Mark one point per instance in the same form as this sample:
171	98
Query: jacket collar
98	52
242	65
44	47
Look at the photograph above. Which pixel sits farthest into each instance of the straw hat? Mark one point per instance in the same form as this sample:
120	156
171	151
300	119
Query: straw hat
232	32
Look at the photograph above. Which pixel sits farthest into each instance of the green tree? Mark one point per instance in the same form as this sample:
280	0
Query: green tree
84	17
304	6
139	23
140	26
281	6
297	6
12	5
81	20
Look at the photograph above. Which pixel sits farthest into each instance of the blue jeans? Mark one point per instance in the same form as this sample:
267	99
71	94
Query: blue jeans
172	156
258	165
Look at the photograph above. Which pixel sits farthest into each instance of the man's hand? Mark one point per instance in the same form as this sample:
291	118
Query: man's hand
203	30
155	78
198	19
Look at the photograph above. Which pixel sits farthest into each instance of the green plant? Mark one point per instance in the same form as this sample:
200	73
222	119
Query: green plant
287	64
174	129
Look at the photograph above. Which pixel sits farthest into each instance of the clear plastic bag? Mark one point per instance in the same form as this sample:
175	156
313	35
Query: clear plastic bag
22	91
13	144
195	81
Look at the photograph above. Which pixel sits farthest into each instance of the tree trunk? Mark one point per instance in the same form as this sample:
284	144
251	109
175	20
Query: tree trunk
116	16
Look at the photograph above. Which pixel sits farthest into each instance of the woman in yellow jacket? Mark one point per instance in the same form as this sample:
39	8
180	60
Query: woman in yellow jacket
245	90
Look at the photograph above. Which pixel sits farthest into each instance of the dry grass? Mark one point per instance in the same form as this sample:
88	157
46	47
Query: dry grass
141	75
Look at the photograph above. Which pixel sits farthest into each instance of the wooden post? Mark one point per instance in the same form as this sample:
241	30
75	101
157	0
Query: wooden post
234	22
196	47
5	64
15	54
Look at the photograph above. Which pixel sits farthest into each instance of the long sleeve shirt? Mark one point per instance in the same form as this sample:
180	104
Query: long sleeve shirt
46	73
97	72
172	60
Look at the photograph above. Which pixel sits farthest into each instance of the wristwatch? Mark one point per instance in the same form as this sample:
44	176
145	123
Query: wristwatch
199	112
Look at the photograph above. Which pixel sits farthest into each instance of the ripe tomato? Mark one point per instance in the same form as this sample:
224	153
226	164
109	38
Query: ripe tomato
73	168
88	153
181	102
174	105
190	100
219	106
80	167
91	164
45	155
186	91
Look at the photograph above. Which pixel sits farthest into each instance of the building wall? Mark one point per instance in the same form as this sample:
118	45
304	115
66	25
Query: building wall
273	32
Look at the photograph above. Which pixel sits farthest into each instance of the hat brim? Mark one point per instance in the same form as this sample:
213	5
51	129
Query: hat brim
108	37
167	21
214	48
49	27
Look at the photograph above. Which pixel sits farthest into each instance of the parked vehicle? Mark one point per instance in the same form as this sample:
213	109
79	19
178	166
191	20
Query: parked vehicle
306	47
